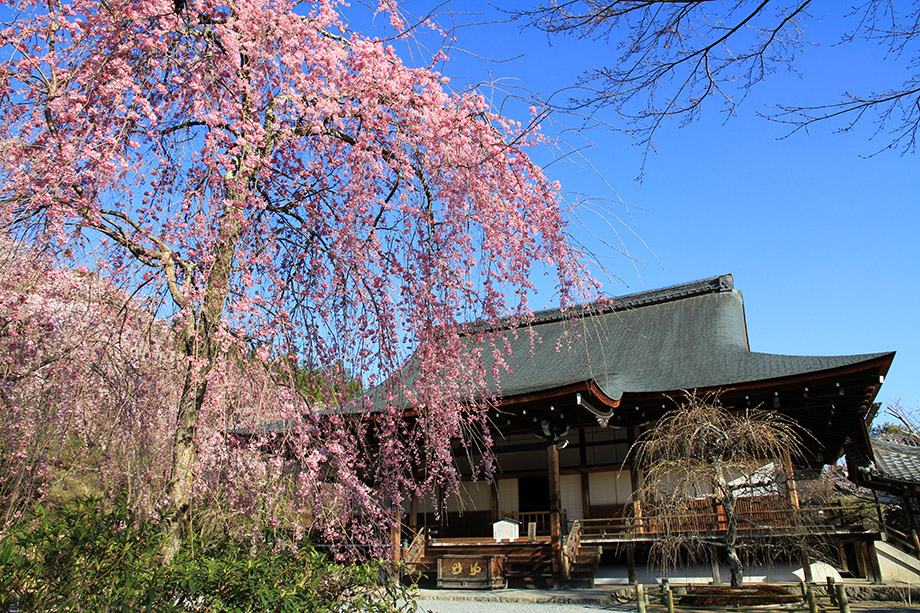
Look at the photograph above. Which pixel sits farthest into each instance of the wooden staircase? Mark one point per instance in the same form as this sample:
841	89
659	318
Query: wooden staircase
528	564
580	561
583	569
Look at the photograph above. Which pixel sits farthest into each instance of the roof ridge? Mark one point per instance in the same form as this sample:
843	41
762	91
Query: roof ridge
721	283
894	445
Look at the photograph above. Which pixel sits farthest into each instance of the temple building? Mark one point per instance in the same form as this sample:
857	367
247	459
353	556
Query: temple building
574	402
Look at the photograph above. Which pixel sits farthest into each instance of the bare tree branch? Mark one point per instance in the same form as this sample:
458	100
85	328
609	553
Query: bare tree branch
701	466
672	56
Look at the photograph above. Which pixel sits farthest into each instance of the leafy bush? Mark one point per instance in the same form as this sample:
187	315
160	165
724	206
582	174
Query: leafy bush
236	576
87	557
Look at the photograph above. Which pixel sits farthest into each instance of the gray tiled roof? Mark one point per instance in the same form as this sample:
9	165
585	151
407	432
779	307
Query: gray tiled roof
685	337
895	461
690	336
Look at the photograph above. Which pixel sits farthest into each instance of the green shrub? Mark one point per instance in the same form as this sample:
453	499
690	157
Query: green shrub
236	576
85	556
80	557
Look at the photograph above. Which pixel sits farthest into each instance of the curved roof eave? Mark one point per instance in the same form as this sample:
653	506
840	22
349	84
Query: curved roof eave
685	337
760	370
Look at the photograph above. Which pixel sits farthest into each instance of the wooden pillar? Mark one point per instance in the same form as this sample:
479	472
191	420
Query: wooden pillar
396	544
442	512
912	521
878	512
862	568
631	562
583	463
586	495
396	534
806	565
636	477
867	561
555	515
413	513
842	554
496	514
875	570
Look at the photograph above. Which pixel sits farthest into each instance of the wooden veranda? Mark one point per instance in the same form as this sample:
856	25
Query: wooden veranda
758	517
531	560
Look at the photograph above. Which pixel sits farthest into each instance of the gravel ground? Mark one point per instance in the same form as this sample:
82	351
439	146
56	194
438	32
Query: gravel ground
472	606
594	601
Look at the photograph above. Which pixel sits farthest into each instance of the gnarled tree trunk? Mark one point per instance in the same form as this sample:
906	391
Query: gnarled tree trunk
201	350
731	531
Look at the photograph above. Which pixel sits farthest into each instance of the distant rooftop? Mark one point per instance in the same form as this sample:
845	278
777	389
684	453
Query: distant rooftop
894	462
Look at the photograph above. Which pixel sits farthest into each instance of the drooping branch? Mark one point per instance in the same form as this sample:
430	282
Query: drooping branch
700	462
313	208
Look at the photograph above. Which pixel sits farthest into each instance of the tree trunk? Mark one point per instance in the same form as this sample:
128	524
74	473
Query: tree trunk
200	350
731	532
185	450
734	565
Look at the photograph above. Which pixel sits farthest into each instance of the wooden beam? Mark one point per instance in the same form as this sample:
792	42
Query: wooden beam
874	567
555	512
631	563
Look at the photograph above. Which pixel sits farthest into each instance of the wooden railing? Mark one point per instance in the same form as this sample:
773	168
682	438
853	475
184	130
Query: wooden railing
903	541
570	549
540	518
751	521
416	549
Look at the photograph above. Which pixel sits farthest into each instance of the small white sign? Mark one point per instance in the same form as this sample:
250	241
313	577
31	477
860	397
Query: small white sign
506	529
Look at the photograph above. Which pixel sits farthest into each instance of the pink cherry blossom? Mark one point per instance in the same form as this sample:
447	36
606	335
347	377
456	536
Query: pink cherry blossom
304	209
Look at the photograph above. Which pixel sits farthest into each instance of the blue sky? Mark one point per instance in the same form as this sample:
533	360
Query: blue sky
820	238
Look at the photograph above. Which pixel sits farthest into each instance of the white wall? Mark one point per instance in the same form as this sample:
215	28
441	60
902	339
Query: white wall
570	493
473	496
897	566
508	495
610	487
